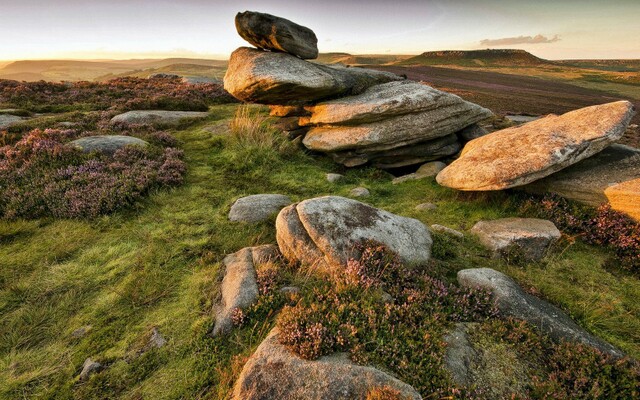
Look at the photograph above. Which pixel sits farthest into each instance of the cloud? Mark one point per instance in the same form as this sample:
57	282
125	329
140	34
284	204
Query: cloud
519	40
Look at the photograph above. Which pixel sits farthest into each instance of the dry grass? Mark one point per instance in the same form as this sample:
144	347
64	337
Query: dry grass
250	127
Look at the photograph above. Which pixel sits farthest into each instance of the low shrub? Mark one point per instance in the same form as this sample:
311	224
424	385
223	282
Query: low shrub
602	226
41	176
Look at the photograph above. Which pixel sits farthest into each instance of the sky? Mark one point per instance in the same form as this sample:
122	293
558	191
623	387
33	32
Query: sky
123	29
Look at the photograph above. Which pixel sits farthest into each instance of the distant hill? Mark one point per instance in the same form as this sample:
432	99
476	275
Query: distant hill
604	65
480	58
360	59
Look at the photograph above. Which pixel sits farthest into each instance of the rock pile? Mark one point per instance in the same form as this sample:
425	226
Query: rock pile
357	116
580	139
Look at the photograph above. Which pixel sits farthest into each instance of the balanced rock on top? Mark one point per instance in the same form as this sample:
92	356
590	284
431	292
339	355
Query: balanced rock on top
517	156
266	31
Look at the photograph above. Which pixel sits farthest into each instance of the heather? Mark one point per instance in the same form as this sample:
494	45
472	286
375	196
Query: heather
42	176
120	94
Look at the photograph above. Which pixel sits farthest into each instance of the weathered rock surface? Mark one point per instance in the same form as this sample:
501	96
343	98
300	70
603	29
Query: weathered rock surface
106	144
387	100
239	289
471	132
446	230
513	301
359	192
520	155
460	356
322	232
257	76
89	368
257	207
594	180
156	117
7	120
266	31
288	111
625	197
427	170
333	178
531	237
273	372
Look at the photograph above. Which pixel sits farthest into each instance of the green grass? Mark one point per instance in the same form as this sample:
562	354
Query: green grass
159	265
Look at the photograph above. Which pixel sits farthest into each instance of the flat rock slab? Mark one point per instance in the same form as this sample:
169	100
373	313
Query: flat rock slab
323	232
593	181
520	155
257	207
273	372
512	301
257	76
7	120
239	287
391	99
156	117
530	236
266	31
106	144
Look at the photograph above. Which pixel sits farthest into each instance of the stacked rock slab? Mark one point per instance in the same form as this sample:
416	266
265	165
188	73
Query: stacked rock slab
355	115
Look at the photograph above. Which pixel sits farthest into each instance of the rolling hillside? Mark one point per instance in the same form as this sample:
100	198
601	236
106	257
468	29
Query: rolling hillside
482	58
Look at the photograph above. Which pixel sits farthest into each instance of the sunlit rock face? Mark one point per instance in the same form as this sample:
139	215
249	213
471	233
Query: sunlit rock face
517	156
266	31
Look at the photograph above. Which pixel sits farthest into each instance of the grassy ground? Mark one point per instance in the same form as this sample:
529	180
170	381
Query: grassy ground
159	266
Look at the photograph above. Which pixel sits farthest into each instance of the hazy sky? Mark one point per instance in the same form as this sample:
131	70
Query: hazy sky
44	29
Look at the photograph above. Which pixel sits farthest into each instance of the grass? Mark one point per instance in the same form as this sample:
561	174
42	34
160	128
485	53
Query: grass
159	265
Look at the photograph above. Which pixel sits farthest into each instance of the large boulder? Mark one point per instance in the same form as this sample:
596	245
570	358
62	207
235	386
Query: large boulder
257	207
322	232
274	372
257	76
389	116
530	237
106	144
520	155
512	301
156	117
266	31
598	179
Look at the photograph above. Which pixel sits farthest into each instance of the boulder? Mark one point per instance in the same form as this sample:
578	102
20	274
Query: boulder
359	192
89	368
427	170
106	144
471	132
274	372
288	111
593	181
520	155
381	102
257	76
322	232
257	207
156	117
7	120
512	301
239	289
531	237
266	31
460	355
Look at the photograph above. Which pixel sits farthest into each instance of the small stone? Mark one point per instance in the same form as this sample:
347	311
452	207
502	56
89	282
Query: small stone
89	368
446	230
290	290
359	192
156	340
333	178
426	207
427	170
81	332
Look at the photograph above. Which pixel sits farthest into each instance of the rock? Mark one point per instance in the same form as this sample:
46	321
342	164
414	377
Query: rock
512	301
381	102
257	207
333	178
266	31
426	207
106	144
81	332
156	117
156	340
460	356
287	124
402	156
471	132
200	80
264	254
67	124
290	290
592	181
520	155
89	368
446	230
427	170
7	120
288	111
162	75
262	77
322	232
625	197
521	119
239	289
359	192
529	236
273	372
295	134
